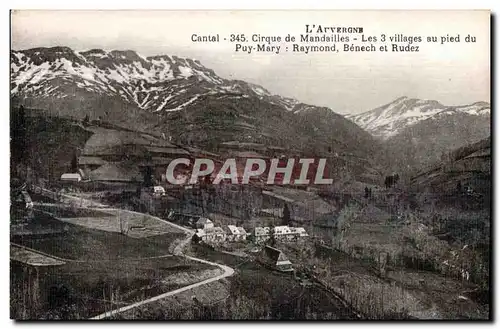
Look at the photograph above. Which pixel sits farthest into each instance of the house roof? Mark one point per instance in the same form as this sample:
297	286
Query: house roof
283	229
214	230
274	254
116	172
71	176
91	160
236	230
299	230
203	220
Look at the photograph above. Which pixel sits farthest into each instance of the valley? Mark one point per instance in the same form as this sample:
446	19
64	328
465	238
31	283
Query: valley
399	230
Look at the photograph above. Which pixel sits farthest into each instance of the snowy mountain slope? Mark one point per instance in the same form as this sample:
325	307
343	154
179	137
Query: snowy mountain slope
391	119
155	84
179	98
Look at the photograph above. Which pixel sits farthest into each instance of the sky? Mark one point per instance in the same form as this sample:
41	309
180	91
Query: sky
347	82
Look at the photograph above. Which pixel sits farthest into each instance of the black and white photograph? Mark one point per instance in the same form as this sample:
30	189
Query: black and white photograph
250	165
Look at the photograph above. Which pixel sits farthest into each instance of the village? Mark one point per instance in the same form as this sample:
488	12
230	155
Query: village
208	233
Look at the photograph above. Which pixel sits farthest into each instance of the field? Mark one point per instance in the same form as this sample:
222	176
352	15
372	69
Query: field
254	292
97	270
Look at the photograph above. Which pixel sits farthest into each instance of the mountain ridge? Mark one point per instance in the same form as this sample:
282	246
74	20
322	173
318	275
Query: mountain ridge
184	101
124	73
391	119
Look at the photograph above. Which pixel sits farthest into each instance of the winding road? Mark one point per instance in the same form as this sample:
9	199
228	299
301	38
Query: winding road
227	272
178	251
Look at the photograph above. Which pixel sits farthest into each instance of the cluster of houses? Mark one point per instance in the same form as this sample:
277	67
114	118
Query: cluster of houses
206	231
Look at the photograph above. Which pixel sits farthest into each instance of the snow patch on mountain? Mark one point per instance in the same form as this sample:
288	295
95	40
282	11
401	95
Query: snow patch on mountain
390	119
156	83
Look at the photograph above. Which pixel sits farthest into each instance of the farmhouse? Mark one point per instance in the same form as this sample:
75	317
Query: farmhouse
285	233
299	232
204	223
235	233
211	234
183	219
261	234
282	233
69	177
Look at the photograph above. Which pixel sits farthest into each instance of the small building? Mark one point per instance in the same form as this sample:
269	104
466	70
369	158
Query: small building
211	235
68	177
283	233
261	234
281	230
158	190
235	233
183	219
299	232
275	259
204	223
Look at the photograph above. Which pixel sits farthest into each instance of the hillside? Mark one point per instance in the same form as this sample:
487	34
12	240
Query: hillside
416	133
394	118
182	100
470	165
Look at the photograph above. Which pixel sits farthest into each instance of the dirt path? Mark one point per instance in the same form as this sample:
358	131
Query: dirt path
227	272
178	250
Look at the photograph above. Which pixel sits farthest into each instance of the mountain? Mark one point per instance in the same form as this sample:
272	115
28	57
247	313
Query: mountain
182	99
391	119
417	133
157	84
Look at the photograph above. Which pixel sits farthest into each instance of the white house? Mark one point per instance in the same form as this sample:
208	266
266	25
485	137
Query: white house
235	233
282	233
211	234
262	234
159	190
275	259
68	177
204	223
299	231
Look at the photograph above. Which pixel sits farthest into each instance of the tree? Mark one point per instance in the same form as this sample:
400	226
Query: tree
18	133
286	215
148	176
74	164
